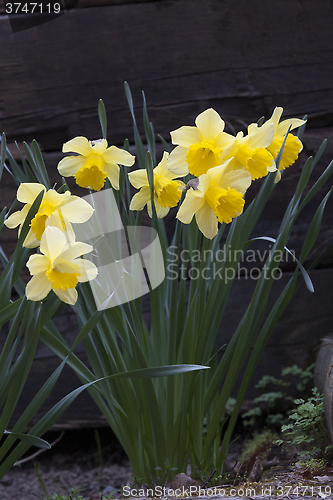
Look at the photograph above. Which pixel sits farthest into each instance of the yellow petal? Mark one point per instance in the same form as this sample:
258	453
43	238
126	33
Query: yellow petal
237	179
119	156
88	270
161	169
99	146
52	242
207	221
185	136
138	178
140	199
112	170
177	162
38	287
262	137
17	218
68	296
194	200
79	145
37	264
77	210
210	124
69	165
31	241
28	192
74	250
293	123
161	212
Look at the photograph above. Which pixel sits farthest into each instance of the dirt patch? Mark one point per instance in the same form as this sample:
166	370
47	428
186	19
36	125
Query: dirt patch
76	461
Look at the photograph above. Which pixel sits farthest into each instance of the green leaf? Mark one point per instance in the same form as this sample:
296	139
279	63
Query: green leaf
314	228
305	275
43	175
2	153
102	118
31	440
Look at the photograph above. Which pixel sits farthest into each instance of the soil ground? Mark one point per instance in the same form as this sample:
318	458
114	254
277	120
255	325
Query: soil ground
76	461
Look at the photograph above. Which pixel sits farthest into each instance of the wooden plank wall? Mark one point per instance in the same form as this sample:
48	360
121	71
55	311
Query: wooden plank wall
242	58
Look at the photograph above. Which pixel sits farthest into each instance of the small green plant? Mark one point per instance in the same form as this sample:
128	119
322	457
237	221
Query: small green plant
270	403
306	428
314	467
72	495
257	447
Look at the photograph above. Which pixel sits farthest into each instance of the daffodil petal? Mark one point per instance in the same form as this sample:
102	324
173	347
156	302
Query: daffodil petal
16	218
37	264
161	169
207	221
210	124
99	146
112	171
138	178
28	191
31	241
236	179
185	136
194	200
177	162
224	140
276	116
69	165
38	287
293	123
119	156
88	270
74	250
161	212
140	199
214	174
79	145
262	137
68	296
77	210
52	242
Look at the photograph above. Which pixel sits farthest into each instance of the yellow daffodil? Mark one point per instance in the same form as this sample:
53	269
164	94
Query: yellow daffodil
249	152
58	267
199	148
293	146
95	162
59	210
218	197
167	191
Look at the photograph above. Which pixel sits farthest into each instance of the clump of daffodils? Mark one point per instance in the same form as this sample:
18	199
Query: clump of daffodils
220	168
208	172
57	266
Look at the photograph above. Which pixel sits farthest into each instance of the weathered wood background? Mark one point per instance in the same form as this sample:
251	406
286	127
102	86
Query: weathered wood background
242	58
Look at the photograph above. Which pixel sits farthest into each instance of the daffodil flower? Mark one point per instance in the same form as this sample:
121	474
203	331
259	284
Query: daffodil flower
59	210
167	191
95	162
249	152
199	148
58	267
218	197
293	146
